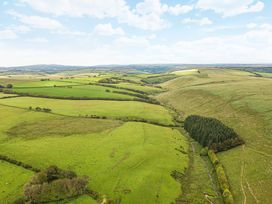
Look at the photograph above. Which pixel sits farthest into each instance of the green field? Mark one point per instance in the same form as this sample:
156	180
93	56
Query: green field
114	169
243	102
146	89
87	91
111	109
13	178
157	79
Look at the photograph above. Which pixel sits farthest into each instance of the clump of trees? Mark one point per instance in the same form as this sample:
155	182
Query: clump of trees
211	133
53	184
39	109
221	177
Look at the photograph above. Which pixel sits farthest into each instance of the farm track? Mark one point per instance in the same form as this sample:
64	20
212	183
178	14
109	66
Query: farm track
242	175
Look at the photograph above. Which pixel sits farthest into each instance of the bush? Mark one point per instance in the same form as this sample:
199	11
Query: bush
9	86
227	197
204	151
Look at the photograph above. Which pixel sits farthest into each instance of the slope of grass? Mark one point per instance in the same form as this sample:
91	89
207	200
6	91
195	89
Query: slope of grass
186	72
111	109
159	79
13	178
132	162
88	91
243	102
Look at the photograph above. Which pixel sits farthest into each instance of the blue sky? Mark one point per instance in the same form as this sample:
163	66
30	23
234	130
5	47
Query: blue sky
90	32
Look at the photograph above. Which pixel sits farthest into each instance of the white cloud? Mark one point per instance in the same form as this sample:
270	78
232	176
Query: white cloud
229	8
38	40
134	41
180	9
108	30
146	15
200	21
251	25
7	34
37	21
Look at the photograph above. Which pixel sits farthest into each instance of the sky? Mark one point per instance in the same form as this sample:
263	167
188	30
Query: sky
92	32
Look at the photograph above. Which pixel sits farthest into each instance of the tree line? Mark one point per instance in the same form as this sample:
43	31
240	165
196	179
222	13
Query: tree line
211	133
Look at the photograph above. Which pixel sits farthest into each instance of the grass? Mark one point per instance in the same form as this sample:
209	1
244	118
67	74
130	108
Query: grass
88	91
61	126
39	83
110	109
186	72
146	89
159	79
12	181
243	102
132	162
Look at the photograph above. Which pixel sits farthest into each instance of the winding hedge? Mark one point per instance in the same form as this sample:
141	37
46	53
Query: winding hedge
221	177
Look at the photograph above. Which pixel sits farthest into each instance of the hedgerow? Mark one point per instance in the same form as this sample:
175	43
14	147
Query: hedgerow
221	177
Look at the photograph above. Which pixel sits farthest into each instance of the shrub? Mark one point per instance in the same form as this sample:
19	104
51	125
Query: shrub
204	151
227	196
9	86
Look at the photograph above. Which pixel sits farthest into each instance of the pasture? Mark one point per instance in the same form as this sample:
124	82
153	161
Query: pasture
111	109
13	178
87	91
123	162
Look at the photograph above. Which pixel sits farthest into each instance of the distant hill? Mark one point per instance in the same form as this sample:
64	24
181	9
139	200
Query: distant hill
149	68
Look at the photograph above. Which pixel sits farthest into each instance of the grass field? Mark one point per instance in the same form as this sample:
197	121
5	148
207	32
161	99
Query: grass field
146	89
87	91
159	79
186	72
123	163
13	178
110	109
243	102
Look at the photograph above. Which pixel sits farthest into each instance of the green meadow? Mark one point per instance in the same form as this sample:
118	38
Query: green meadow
86	91
12	180
143	88
111	109
123	161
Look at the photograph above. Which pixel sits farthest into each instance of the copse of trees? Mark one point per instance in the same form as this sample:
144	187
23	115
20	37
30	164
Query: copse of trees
53	184
211	133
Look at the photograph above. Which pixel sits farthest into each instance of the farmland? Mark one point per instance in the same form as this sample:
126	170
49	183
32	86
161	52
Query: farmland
134	150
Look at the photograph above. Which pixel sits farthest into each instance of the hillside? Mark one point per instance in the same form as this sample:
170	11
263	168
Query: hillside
242	101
